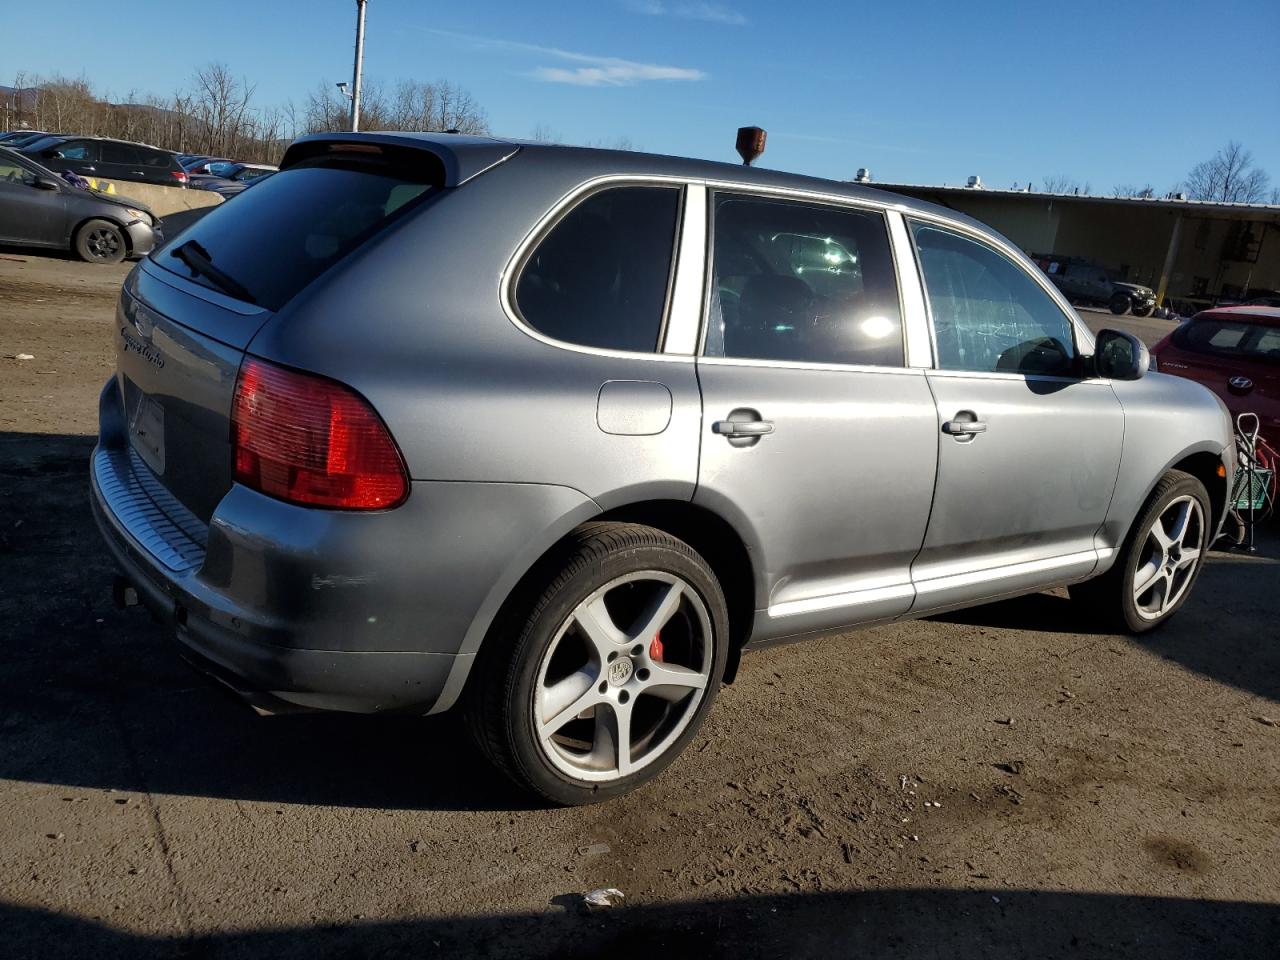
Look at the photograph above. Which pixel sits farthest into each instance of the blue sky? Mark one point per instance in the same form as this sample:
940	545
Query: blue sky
925	92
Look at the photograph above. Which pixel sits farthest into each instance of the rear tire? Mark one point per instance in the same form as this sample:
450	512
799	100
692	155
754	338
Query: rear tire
1159	562
1119	304
100	241
605	667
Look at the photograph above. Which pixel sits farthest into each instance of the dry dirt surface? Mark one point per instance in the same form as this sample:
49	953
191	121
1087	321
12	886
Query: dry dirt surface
1006	782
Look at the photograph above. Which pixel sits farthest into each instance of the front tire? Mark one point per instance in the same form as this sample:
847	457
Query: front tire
599	677
1119	304
1144	311
1159	561
100	241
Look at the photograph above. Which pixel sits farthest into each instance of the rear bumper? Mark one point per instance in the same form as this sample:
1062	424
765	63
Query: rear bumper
266	674
325	609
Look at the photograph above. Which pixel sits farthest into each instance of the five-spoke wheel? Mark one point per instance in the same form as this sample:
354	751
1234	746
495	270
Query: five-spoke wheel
624	675
1158	561
602	674
1170	556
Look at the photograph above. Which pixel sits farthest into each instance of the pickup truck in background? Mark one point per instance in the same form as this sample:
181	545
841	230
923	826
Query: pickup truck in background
1085	281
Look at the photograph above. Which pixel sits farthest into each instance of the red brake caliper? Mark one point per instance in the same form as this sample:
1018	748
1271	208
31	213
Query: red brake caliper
655	647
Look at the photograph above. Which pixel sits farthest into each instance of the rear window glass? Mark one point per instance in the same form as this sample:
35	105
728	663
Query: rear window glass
275	239
1224	337
600	277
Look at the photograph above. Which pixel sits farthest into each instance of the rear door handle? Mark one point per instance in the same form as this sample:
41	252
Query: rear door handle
742	428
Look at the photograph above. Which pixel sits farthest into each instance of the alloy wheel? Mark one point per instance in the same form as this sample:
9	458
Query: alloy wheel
1169	558
103	243
623	677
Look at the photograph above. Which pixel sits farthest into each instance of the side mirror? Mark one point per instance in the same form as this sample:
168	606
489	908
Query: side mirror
44	183
1120	356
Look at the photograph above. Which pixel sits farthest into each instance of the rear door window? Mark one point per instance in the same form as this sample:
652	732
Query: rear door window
278	237
802	282
121	153
600	277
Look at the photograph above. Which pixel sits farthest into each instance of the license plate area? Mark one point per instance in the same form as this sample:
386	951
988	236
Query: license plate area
146	431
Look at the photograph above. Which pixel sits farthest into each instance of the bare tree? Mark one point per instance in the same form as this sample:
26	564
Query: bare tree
1058	184
542	133
1229	176
1129	190
220	106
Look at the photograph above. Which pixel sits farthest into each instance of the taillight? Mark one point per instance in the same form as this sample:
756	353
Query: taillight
180	175
309	440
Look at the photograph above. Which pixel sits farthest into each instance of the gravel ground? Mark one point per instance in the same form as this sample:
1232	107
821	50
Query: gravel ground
1003	782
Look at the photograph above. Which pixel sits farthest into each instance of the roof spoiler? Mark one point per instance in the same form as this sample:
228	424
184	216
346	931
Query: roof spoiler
458	157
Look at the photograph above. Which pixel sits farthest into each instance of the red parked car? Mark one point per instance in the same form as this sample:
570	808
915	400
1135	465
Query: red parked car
1235	352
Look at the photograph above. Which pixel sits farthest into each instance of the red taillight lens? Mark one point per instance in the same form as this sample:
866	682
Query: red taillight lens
312	441
180	175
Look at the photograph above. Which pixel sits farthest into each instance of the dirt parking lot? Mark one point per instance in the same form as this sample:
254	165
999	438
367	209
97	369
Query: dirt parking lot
1004	782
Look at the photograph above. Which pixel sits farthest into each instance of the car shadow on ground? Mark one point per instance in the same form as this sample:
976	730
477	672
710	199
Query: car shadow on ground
1204	636
901	923
95	697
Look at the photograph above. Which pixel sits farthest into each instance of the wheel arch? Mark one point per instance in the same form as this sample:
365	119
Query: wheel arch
720	544
1205	466
706	532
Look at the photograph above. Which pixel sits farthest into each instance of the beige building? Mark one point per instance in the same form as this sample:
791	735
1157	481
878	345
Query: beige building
1192	252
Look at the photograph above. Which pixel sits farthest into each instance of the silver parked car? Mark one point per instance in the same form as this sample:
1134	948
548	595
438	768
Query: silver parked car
552	435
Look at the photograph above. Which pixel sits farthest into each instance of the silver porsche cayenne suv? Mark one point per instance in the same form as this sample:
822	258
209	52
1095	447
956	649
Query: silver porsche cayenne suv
553	435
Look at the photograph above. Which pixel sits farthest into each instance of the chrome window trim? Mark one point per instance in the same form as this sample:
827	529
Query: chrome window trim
510	273
1020	377
1084	336
684	316
825	199
807	365
915	320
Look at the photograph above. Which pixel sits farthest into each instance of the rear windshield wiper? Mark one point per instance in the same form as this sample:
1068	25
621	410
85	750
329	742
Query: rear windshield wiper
200	263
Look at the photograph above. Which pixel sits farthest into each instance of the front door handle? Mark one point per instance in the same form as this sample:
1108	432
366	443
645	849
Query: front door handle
964	426
742	428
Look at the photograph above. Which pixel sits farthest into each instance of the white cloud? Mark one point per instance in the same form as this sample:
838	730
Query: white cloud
710	12
595	71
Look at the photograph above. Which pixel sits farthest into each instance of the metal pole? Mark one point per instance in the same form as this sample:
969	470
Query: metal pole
359	67
1170	260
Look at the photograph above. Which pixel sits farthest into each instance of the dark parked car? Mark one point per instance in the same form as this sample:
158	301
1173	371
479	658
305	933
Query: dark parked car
231	178
16	139
1235	352
1083	281
110	159
40	209
198	163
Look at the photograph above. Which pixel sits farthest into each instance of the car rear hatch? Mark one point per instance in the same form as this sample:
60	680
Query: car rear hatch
188	314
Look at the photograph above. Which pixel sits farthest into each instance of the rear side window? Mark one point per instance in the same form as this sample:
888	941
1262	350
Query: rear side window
156	158
275	239
1225	337
988	314
803	282
600	277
